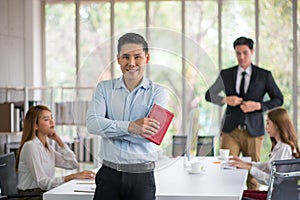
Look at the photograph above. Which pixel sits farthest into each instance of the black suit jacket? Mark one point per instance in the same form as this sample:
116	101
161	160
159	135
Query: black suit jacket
261	83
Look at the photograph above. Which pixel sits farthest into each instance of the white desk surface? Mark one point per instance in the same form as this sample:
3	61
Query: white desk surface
173	182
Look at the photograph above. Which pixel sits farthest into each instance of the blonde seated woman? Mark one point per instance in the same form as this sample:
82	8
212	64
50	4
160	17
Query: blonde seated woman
284	146
36	159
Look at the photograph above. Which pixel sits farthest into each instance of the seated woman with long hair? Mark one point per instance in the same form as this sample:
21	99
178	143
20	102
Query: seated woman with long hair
284	146
36	159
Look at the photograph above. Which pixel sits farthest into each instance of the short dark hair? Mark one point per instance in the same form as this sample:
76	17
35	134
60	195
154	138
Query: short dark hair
243	41
132	38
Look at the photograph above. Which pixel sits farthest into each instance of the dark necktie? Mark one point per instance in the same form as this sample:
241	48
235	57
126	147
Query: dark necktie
242	86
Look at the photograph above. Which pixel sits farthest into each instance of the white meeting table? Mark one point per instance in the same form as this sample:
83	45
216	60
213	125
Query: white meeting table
173	182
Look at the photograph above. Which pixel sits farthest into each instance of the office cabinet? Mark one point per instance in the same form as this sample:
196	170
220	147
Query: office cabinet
68	105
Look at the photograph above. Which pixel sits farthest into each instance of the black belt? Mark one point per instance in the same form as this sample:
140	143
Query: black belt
131	168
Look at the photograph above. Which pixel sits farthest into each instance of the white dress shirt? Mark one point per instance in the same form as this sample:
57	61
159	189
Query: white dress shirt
239	78
261	170
37	165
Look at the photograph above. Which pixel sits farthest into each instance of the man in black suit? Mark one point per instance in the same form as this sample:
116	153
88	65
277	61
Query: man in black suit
245	86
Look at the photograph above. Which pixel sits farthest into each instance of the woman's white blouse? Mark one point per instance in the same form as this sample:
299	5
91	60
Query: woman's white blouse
37	165
261	170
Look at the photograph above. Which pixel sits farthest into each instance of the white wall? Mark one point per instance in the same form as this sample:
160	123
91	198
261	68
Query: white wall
20	47
20	43
33	43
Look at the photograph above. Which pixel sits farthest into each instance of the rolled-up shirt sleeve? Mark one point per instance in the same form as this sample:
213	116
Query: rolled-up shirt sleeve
65	158
34	162
37	165
261	170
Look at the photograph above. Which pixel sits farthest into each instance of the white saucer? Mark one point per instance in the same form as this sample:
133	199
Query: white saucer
219	158
199	172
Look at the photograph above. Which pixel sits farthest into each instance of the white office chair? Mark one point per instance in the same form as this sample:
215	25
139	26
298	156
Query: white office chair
284	178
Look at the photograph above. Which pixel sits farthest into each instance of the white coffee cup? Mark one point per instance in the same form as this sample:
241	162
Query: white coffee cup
196	167
224	154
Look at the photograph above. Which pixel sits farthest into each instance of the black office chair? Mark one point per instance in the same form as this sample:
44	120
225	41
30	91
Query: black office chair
179	145
284	178
9	179
205	146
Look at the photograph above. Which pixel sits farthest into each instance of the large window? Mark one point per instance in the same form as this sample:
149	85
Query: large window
94	43
276	46
60	44
190	41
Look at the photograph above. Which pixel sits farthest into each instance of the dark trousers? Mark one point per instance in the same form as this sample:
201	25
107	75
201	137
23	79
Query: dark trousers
35	191
115	185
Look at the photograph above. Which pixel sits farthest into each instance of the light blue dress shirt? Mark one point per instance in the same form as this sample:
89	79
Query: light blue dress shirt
111	110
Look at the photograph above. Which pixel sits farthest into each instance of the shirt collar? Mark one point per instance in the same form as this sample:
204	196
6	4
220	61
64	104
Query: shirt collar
36	140
278	144
144	84
248	70
120	83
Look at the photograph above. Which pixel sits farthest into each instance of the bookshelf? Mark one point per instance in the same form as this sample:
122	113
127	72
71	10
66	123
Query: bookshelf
11	109
71	104
68	105
10	145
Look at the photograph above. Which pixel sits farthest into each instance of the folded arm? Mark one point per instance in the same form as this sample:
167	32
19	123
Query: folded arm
99	123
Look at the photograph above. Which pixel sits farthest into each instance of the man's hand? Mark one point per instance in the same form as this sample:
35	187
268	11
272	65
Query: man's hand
250	106
232	100
147	126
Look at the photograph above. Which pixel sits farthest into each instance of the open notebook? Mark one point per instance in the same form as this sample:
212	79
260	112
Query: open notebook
164	117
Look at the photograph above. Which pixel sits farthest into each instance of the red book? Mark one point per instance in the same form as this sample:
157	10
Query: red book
164	117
